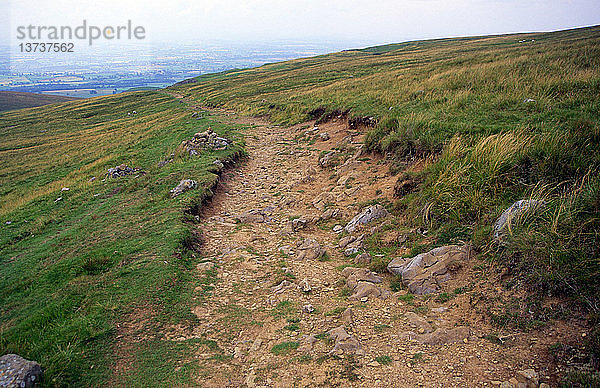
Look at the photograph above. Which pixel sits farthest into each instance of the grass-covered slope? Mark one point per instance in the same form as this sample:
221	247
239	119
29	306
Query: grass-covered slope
498	118
81	274
20	100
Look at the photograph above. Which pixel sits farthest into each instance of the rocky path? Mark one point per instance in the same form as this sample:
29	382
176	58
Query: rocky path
285	297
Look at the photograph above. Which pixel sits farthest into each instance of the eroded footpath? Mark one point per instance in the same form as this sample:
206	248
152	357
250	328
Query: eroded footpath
290	296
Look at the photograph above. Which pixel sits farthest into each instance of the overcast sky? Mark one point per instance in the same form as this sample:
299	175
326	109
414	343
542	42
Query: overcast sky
369	22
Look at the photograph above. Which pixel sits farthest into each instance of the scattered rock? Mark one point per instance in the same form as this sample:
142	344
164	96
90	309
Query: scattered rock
338	229
15	371
305	286
183	186
354	275
286	250
344	342
251	216
204	140
329	160
367	215
363	258
65	189
308	308
219	164
427	272
321	201
362	282
348	316
255	346
514	213
306	343
528	100
344	241
324	136
120	171
206	266
309	249
281	287
296	224
528	377
329	214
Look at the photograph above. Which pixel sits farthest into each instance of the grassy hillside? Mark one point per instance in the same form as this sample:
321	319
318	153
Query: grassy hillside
20	100
496	118
80	274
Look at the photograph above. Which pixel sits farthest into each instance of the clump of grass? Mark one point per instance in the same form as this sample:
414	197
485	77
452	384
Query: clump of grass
335	312
443	297
396	284
284	308
284	348
384	360
381	327
407	298
416	358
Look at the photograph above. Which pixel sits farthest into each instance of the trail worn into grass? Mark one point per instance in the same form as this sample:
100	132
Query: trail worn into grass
262	335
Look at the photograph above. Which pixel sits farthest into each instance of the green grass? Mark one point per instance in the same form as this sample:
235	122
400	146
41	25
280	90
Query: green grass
112	253
384	360
461	102
284	348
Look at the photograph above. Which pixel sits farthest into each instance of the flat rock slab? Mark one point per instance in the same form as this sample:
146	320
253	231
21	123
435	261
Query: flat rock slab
446	336
367	215
15	371
427	272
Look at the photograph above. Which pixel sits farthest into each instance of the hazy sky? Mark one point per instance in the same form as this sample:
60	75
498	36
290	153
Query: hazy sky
364	21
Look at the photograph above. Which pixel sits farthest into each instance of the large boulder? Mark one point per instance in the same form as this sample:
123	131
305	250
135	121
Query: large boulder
514	213
446	336
15	371
427	272
367	215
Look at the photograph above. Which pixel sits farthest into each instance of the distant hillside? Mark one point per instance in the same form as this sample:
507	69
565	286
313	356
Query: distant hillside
19	100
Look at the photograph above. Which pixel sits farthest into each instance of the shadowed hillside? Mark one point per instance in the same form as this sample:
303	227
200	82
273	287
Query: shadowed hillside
19	100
